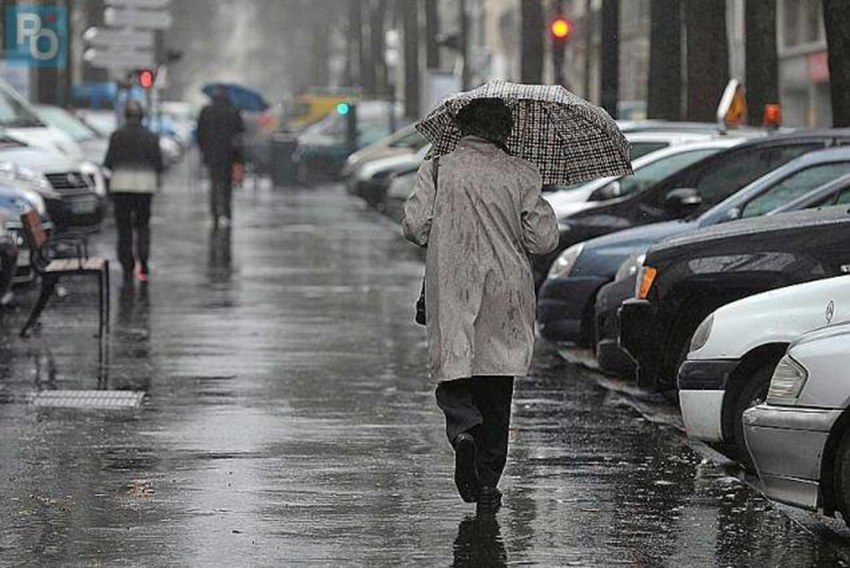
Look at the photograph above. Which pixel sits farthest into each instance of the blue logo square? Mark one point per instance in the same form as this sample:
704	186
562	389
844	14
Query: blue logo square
37	35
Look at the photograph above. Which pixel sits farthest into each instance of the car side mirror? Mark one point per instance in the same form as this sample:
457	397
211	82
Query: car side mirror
682	201
733	214
607	191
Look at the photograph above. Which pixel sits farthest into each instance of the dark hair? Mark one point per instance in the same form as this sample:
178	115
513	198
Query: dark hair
133	111
490	119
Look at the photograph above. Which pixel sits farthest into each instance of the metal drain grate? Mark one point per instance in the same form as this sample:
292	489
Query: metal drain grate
87	399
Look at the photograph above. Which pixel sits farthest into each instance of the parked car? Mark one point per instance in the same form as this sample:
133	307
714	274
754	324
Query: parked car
105	122
690	191
799	438
323	147
50	173
14	202
735	350
686	278
566	302
408	140
19	118
372	180
90	141
401	187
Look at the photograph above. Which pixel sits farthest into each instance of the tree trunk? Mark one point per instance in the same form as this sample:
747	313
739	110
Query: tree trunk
609	64
410	15
432	29
836	16
665	60
708	57
531	63
377	47
762	59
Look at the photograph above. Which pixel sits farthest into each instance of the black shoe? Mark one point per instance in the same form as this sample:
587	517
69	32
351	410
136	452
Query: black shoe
488	500
466	471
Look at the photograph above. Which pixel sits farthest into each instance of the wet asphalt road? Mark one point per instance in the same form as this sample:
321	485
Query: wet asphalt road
288	422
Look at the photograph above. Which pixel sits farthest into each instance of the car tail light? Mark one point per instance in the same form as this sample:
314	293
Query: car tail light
646	277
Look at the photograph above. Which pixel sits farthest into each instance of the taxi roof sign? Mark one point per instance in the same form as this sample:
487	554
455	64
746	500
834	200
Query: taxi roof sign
732	110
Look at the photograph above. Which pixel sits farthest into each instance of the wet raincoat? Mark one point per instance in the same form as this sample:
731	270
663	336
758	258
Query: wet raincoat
479	288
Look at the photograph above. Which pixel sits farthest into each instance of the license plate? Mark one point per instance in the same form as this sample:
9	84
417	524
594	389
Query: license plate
83	207
23	258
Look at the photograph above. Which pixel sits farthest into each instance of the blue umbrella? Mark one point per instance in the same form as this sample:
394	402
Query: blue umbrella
240	97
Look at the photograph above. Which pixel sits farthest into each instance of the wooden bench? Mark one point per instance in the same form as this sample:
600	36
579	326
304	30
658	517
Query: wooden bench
50	269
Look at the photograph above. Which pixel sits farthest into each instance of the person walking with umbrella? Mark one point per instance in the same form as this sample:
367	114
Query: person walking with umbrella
477	206
135	160
220	129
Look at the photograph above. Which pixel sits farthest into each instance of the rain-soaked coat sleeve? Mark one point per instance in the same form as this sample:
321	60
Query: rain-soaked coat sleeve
419	208
539	225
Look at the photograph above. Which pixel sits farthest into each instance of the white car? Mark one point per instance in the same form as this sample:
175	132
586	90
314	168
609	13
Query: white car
648	169
799	440
735	350
21	120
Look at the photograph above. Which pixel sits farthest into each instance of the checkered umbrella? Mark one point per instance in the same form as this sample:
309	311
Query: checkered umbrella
569	139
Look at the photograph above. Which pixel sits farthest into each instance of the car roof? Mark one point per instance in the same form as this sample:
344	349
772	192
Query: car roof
677	126
720	142
835	215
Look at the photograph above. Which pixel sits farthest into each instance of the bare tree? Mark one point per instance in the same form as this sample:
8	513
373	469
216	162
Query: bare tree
609	64
665	60
410	18
531	63
762	59
836	16
707	57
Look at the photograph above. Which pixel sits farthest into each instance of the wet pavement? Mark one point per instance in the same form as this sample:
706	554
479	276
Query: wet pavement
288	422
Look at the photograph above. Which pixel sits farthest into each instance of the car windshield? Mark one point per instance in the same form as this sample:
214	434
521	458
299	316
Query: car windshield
67	123
15	111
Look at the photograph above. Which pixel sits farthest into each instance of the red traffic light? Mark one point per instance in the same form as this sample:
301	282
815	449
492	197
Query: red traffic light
561	28
146	78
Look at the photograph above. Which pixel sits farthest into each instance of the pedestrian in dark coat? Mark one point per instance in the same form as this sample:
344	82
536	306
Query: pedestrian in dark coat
480	222
220	129
135	161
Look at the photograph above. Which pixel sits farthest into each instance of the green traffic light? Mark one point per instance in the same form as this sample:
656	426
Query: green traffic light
343	108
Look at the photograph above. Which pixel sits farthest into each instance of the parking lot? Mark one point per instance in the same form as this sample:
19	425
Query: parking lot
288	420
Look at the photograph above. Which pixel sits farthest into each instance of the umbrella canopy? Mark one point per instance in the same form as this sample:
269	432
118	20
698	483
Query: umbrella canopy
569	139
240	97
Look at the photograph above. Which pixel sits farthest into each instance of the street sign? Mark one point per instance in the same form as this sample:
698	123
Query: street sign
108	38
138	19
140	4
119	59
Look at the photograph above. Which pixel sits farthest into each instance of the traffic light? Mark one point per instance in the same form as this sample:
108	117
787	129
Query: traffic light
560	29
146	78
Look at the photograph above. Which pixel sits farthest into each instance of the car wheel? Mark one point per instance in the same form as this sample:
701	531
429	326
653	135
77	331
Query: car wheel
841	477
752	390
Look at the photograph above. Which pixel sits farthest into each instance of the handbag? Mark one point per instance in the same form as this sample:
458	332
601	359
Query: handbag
421	318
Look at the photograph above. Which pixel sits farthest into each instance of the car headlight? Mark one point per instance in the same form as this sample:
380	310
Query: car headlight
787	383
631	266
702	333
564	264
26	175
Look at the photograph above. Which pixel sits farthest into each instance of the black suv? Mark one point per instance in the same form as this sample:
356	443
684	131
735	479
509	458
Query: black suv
687	278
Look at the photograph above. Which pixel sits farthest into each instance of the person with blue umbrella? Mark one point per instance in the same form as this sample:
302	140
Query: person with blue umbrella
220	130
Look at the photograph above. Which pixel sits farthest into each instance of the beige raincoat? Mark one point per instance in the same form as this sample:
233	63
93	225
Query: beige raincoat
479	288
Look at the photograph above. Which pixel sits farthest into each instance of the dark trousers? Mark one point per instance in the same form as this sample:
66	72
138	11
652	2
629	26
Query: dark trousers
133	213
482	407
221	190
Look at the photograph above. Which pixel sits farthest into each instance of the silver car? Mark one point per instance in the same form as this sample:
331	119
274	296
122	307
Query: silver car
799	439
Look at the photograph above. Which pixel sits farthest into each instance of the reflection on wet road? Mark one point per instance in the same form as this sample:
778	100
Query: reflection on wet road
288	422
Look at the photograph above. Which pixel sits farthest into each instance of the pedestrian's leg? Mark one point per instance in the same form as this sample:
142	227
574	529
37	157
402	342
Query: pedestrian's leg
462	419
214	193
122	204
228	192
455	400
492	396
143	233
